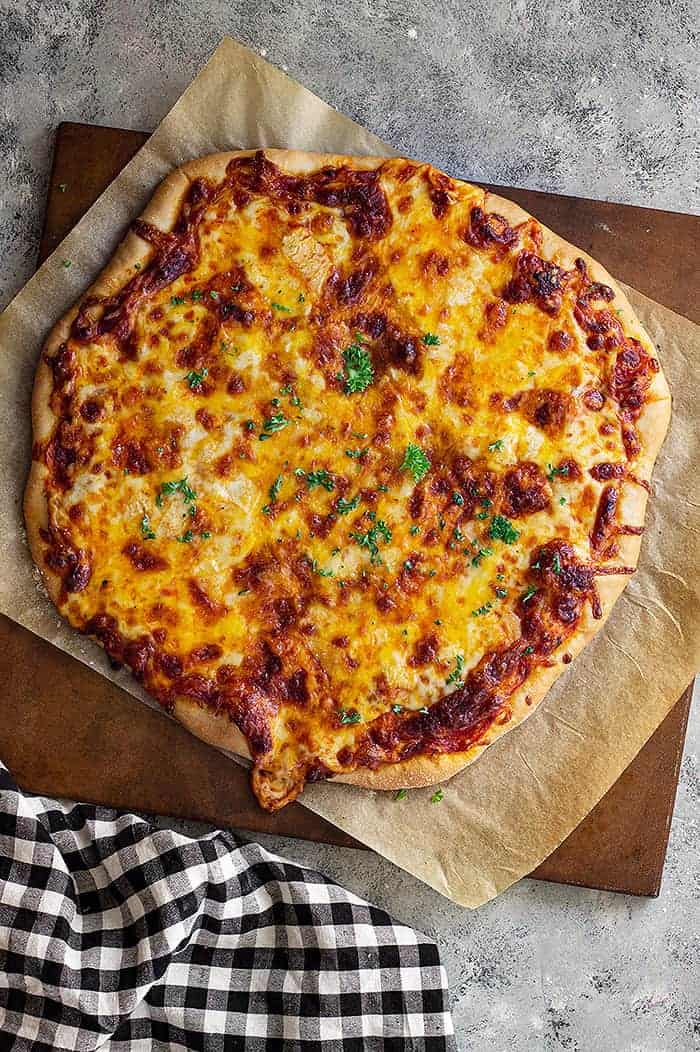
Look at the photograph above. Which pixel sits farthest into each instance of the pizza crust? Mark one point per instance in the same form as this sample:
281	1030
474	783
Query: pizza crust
652	424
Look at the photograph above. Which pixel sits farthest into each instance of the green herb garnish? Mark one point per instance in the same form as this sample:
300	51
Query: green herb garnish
343	507
369	540
528	593
482	610
177	301
456	675
273	424
430	339
457	498
502	529
481	554
556	563
176	486
415	461
397	709
496	446
552	472
146	531
186	537
437	796
319	478
280	306
359	373
356	454
400	794
349	716
275	488
194	378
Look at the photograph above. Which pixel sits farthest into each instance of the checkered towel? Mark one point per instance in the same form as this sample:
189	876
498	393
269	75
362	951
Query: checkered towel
117	935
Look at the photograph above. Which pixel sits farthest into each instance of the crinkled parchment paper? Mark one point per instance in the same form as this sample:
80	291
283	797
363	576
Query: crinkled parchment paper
503	815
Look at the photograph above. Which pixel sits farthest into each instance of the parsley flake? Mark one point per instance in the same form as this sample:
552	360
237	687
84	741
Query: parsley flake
196	295
273	424
437	796
430	339
194	378
186	537
343	507
552	472
496	446
481	554
528	593
275	488
415	461
456	675
356	454
67	263
359	372
556	563
315	568
400	794
213	294
177	301
280	306
349	716
562	500
501	593
529	650
457	498
176	486
320	478
481	611
146	531
369	540
502	529
397	709
414	530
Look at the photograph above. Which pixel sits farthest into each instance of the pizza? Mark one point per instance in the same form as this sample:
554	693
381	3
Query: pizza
346	460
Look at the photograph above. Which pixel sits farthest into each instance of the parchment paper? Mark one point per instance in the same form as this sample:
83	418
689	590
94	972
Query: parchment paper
503	815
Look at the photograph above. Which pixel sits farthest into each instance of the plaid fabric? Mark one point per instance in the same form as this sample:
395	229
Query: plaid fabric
117	935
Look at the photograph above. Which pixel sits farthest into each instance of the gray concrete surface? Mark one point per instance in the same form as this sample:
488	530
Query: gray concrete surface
579	96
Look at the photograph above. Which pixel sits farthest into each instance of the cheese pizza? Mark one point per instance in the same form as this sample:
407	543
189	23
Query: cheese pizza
345	459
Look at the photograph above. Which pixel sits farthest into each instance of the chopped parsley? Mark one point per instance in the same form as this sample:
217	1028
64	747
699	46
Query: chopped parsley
457	498
430	339
369	540
482	610
301	298
437	796
425	711
414	530
186	537
343	507
146	531
214	294
67	263
349	716
501	593
273	424
319	569
397	709
177	301
528	593
552	471
205	535
356	454
415	461
280	306
562	500
456	675
502	529
320	478
244	591
176	486
275	488
529	650
481	554
556	563
496	446
359	372
196	295
194	378
400	794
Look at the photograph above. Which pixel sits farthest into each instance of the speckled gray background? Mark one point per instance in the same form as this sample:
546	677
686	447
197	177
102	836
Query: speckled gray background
582	97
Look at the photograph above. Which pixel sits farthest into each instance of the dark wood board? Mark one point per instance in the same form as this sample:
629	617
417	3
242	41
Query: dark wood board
67	731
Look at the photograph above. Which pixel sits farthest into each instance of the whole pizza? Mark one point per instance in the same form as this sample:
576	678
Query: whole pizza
345	459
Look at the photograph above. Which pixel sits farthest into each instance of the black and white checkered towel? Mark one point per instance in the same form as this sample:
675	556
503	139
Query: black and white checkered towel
117	935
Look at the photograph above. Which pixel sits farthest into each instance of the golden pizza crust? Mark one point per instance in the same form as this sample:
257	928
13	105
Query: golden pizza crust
217	729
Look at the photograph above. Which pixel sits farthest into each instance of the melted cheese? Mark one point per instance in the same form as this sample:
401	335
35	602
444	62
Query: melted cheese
191	399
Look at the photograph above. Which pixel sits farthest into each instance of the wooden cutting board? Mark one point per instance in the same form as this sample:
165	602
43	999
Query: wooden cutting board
67	731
